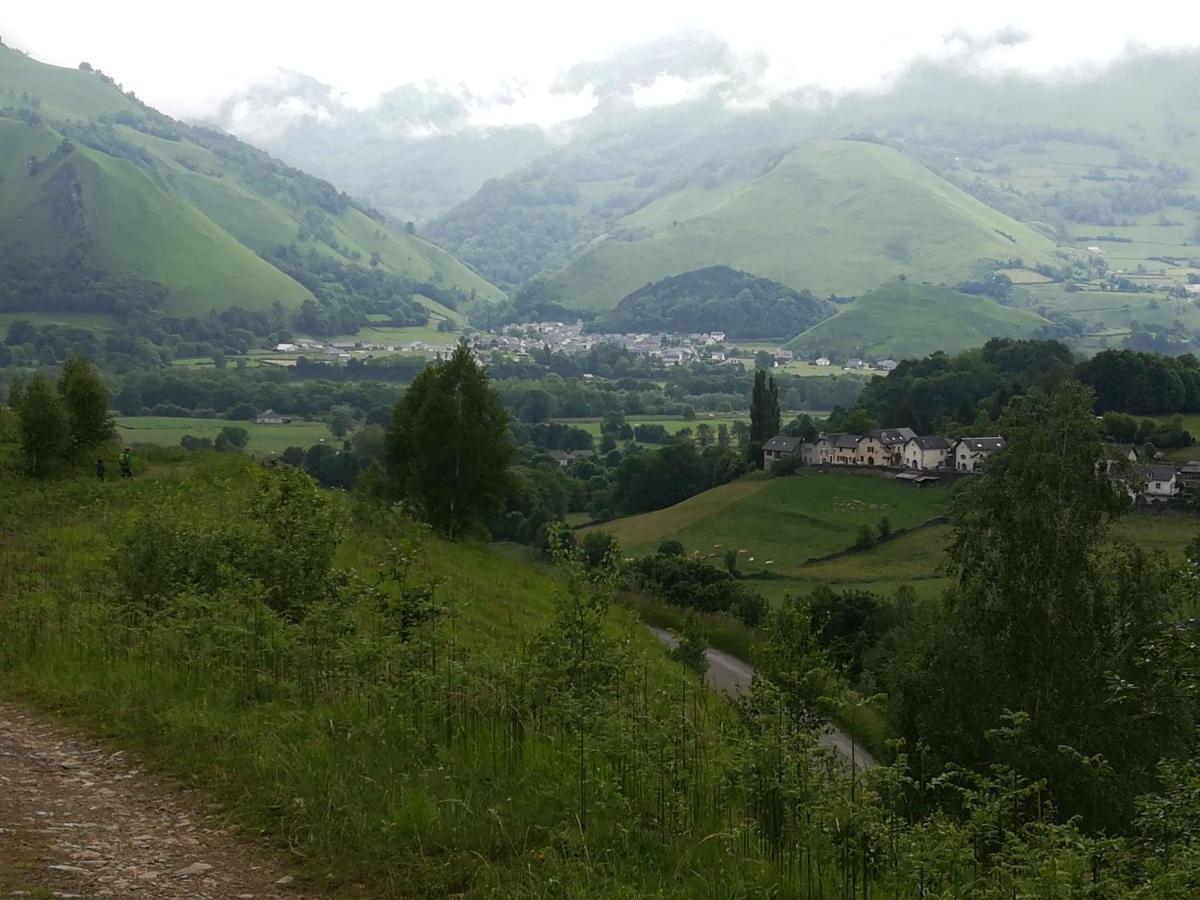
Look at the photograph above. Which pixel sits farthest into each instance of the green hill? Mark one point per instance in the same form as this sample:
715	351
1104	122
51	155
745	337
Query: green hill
89	173
718	298
905	319
832	217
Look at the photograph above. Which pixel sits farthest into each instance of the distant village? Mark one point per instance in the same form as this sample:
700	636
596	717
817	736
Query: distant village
673	349
922	459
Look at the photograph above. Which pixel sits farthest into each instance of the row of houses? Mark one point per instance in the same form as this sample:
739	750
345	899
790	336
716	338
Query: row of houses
900	448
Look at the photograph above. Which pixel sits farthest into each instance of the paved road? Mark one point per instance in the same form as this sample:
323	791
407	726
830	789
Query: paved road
733	676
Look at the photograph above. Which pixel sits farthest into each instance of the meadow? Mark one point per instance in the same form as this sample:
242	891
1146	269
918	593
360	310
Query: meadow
672	424
166	431
420	724
792	520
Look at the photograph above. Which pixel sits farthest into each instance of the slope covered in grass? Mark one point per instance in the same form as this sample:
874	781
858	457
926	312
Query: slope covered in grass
785	520
88	170
831	217
905	319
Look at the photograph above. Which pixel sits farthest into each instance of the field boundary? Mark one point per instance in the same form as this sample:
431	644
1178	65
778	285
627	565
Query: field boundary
882	539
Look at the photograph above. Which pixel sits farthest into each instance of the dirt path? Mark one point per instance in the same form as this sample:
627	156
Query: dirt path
78	820
733	676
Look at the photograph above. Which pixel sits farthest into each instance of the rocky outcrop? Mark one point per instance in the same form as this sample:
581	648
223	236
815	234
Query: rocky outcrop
66	202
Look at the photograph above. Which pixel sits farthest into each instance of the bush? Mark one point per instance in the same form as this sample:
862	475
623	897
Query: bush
597	546
865	539
694	584
789	465
670	548
231	437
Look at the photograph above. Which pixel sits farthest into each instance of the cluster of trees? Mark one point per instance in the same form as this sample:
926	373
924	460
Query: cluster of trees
695	584
30	282
950	393
970	390
1142	383
1124	429
717	298
64	422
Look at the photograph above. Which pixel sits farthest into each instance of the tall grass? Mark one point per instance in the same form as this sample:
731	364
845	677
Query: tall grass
415	730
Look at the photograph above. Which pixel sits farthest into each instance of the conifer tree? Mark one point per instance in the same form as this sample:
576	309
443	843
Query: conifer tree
765	418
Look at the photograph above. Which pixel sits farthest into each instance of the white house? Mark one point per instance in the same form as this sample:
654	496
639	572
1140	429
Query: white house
779	448
1161	483
926	453
886	365
270	417
970	453
822	361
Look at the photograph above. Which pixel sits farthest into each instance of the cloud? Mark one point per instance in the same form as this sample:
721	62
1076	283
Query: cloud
669	90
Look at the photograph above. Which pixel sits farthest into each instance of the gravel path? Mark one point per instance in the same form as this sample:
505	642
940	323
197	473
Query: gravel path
733	676
79	820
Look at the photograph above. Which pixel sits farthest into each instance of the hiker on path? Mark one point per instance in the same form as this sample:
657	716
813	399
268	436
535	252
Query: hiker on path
126	463
100	470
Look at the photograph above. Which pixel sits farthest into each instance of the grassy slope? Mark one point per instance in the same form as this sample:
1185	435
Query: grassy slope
330	779
165	431
793	519
787	520
905	319
838	216
196	227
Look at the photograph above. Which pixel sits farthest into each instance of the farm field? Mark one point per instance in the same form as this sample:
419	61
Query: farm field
591	424
384	334
785	521
790	520
165	431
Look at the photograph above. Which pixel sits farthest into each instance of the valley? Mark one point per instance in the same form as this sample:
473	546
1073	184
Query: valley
456	464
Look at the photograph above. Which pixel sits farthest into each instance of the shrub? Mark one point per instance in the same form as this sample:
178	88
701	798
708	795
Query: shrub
865	539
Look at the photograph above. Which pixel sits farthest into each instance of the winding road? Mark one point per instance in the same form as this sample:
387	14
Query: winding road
731	675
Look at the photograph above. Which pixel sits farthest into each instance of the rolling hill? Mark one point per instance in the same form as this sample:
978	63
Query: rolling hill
89	173
1105	152
906	319
831	217
718	298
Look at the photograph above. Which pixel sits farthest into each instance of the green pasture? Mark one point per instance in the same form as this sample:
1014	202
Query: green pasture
165	431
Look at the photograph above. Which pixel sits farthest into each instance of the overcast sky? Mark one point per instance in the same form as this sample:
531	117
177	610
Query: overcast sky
183	58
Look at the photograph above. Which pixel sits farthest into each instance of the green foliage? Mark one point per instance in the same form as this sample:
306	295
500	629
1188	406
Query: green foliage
765	419
45	428
1142	383
664	477
283	544
231	437
941	391
599	549
690	651
696	585
85	400
717	298
1043	623
670	548
864	538
448	447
